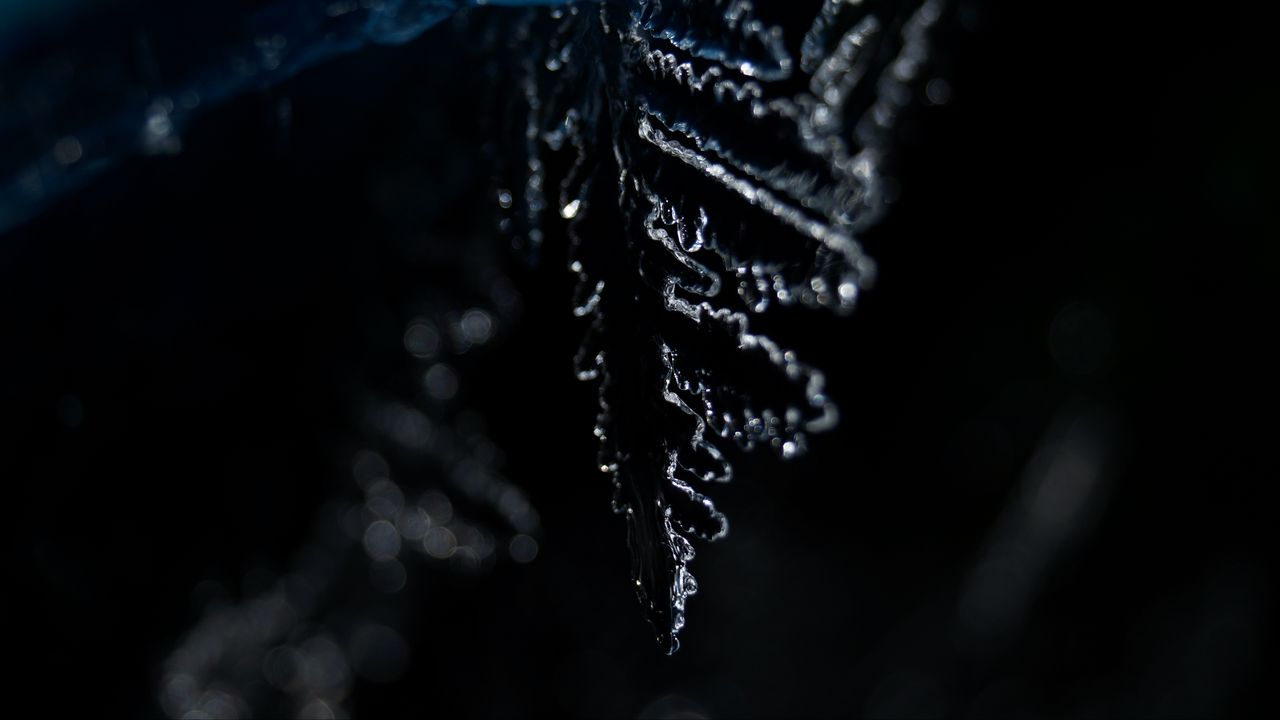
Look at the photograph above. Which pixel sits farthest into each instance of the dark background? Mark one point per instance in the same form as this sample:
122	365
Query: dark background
1087	229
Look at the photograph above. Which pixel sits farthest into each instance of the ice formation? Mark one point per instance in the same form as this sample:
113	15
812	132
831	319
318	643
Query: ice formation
709	162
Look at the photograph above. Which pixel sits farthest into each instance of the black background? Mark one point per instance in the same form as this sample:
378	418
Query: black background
206	312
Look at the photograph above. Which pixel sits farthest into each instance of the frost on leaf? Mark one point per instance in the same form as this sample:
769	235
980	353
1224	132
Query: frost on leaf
428	496
706	162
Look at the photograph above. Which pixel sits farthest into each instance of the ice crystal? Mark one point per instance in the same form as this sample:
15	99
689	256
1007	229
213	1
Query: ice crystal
708	162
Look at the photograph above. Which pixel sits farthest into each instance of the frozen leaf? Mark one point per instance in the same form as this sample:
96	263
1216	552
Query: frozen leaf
708	162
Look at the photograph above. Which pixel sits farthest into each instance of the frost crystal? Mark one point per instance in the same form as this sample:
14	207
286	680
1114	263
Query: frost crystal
708	162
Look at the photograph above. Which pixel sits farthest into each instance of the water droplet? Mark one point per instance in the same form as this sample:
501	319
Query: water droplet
68	151
523	549
421	339
477	326
440	542
441	382
382	540
938	91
